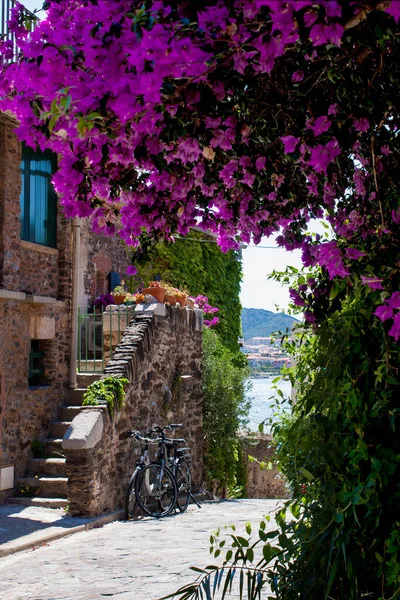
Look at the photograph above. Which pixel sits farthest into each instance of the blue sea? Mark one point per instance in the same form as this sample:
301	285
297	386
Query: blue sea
264	400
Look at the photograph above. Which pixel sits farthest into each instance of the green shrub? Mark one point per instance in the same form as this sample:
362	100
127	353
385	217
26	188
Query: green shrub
225	384
110	391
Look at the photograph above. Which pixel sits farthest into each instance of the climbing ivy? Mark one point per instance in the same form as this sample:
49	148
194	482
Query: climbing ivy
197	263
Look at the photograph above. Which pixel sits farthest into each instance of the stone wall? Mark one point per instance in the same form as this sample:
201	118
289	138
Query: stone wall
154	352
262	482
10	189
25	412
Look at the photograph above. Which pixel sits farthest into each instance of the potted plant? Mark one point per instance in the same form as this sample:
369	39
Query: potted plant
181	295
102	302
156	290
119	294
170	294
138	298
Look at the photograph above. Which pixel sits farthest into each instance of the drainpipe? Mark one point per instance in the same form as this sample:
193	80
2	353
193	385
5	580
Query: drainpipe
76	240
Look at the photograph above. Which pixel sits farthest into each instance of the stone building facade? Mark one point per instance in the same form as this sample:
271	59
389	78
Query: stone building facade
35	304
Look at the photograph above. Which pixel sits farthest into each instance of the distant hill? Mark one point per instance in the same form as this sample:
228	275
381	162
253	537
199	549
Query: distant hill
257	322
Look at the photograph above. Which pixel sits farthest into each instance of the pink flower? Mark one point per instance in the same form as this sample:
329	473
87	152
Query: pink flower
321	125
361	124
309	317
298	76
322	34
353	253
330	257
290	142
395	330
394	300
296	298
131	270
374	283
384	313
260	163
333	109
394	9
322	156
385	150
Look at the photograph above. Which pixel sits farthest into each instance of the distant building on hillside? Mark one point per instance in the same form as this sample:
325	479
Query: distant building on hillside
261	341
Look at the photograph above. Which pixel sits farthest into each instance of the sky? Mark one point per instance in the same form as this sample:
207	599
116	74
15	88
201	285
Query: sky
257	290
258	262
32	4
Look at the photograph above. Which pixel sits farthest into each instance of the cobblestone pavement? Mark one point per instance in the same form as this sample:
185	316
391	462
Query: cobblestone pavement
136	560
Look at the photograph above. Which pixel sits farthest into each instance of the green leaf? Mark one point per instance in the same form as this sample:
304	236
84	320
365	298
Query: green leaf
306	473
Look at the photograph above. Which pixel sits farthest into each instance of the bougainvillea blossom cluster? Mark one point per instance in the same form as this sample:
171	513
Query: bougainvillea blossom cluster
244	118
202	302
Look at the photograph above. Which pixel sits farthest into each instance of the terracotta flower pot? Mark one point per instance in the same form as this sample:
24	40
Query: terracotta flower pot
157	292
170	299
119	299
181	300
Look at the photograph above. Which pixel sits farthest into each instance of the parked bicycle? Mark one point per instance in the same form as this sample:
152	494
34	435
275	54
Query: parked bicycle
159	486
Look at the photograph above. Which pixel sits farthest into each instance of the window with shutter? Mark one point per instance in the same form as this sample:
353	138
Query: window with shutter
38	198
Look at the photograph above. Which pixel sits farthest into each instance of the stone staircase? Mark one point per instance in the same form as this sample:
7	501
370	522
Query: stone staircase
46	482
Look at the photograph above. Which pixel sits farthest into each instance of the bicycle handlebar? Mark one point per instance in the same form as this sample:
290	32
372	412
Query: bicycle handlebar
154	430
142	438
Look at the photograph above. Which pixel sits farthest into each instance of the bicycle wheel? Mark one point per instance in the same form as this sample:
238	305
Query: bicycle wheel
156	490
130	496
183	483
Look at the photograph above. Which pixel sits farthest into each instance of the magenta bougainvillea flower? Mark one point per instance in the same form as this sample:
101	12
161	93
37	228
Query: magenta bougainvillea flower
169	116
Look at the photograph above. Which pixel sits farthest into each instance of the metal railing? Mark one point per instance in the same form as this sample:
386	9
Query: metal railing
5	14
99	333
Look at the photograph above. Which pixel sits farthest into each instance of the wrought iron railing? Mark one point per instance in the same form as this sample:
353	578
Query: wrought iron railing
5	13
99	334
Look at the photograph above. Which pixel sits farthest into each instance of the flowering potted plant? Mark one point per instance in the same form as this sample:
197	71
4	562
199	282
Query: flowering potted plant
181	296
138	298
119	294
155	289
103	301
170	294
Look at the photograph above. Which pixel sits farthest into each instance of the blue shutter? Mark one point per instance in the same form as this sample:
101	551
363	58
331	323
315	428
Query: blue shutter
113	280
38	198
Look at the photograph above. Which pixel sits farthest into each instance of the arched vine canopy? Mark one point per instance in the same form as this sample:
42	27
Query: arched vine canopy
243	117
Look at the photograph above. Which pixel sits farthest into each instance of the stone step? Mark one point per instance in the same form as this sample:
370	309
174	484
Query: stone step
58	428
43	502
67	413
53	447
74	396
45	487
47	466
85	379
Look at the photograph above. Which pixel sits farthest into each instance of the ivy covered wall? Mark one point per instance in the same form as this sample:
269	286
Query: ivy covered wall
198	264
